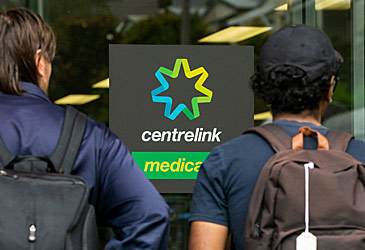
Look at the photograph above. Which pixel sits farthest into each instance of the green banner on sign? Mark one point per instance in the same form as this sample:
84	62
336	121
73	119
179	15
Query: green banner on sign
170	165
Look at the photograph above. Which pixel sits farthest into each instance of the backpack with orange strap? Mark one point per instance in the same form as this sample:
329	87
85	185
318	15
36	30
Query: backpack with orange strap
307	199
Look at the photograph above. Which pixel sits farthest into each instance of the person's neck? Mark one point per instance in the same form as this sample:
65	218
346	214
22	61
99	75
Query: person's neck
305	116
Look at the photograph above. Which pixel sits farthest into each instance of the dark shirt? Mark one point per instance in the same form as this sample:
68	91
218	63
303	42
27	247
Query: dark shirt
123	198
227	178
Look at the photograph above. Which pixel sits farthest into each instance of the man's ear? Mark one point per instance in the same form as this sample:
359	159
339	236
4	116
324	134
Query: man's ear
40	63
330	91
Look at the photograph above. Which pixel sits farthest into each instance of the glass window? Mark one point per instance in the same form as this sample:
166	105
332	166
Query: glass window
85	28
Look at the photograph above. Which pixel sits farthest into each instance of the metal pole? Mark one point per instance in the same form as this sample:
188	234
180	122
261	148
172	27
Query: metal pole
297	8
40	8
185	22
310	13
358	35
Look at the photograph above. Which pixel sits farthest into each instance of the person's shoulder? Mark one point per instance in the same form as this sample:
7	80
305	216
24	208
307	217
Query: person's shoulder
237	144
356	148
98	131
96	126
242	150
358	143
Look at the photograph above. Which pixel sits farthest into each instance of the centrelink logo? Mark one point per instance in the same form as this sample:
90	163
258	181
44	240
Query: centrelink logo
172	114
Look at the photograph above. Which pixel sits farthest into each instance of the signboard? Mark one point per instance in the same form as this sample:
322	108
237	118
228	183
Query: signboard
172	104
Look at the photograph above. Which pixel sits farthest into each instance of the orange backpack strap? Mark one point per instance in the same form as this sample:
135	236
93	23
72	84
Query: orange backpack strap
339	140
278	139
297	141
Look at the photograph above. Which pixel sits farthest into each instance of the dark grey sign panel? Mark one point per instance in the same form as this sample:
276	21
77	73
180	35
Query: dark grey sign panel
172	104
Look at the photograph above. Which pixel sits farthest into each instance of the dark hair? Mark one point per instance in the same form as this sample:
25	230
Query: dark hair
288	89
22	33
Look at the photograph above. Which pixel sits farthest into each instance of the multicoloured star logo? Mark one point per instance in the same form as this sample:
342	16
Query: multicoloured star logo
198	86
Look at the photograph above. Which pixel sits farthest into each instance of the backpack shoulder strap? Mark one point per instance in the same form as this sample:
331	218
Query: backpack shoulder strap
5	156
339	140
278	139
67	149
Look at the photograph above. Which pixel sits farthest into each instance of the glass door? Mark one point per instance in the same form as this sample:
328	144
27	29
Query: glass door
343	21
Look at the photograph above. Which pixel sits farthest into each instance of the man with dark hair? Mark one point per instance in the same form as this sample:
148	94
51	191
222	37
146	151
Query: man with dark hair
296	76
31	125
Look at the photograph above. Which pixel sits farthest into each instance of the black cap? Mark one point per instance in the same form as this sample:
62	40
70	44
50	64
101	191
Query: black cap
301	46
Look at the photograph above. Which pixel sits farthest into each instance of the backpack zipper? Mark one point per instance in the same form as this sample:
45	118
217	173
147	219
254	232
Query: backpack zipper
6	174
32	231
256	230
257	226
32	225
44	178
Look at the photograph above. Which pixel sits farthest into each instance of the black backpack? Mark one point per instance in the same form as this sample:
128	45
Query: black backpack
43	206
301	193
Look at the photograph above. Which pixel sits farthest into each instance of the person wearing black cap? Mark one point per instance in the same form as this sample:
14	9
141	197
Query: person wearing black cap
297	75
